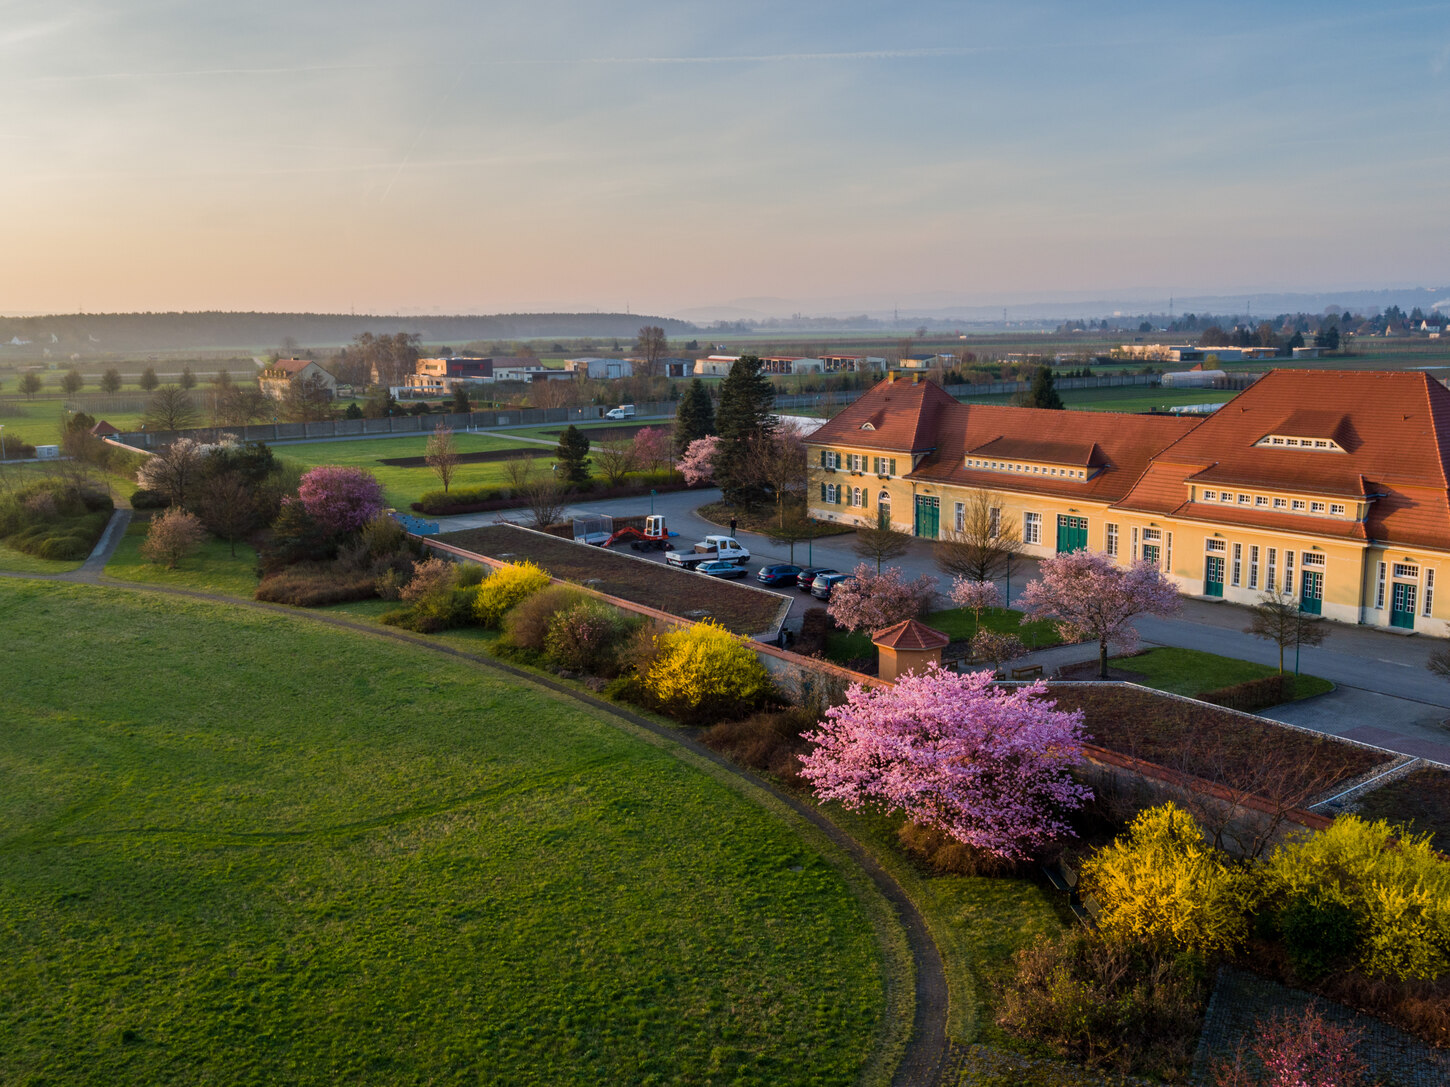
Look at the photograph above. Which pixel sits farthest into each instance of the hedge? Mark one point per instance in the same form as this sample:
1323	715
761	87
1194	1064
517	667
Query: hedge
1251	695
482	499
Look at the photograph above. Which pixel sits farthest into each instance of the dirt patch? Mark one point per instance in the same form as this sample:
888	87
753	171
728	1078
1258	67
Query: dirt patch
1420	799
737	607
1209	743
473	458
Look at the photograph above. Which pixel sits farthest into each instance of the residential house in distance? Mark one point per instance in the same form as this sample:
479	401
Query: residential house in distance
600	369
528	370
1329	485
275	379
438	377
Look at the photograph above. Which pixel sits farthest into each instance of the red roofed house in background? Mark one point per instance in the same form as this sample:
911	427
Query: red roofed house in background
1330	485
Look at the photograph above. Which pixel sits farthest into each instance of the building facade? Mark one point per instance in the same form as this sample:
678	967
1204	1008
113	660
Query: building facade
276	379
1331	486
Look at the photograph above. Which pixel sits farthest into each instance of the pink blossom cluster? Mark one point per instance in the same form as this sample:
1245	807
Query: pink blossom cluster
974	595
698	463
653	447
340	499
988	766
870	601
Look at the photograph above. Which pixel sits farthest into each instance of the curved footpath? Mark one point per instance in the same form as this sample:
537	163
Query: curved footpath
923	1059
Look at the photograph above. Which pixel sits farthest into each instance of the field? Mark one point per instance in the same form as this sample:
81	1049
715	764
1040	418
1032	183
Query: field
1125	399
742	609
212	569
237	848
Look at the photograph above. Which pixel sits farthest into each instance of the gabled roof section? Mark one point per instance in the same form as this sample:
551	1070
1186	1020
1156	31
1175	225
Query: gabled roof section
910	634
291	366
904	416
1077	454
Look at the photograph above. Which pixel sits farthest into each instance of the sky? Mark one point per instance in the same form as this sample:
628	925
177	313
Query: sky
478	157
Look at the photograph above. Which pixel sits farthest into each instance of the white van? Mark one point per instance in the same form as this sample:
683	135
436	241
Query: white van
624	411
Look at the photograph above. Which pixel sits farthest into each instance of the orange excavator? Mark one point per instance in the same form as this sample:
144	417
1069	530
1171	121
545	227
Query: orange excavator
653	538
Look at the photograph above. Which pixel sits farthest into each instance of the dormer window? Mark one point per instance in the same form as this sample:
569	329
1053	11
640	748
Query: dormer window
867	426
1298	441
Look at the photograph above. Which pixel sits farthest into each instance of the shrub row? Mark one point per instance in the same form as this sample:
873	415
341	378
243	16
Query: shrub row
481	499
1252	694
144	499
315	585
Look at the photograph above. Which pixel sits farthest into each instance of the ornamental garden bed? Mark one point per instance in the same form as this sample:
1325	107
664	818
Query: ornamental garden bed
738	608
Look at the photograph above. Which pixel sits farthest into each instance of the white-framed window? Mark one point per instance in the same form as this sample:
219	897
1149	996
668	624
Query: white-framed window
1210	496
1269	575
1407	571
1253	566
959	522
1429	591
829	493
1032	528
1134	555
1316	507
994	522
1168	553
1225	496
1379	590
1288	570
1261	500
1337	509
1238	564
830	458
1313	558
1245	499
1281	503
858	497
1219	546
1110	539
1297	505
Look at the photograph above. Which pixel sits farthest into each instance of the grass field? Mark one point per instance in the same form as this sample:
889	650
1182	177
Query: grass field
19	562
404	486
1190	672
235	848
1126	399
212	569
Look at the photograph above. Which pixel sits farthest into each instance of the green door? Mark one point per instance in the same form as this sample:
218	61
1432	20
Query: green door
1152	555
1071	533
1402	606
928	516
1311	595
1213	575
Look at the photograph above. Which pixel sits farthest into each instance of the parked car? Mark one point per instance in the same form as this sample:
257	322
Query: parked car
781	574
720	568
824	583
806	578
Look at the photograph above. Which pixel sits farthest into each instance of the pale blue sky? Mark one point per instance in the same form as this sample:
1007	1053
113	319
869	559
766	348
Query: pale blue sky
484	157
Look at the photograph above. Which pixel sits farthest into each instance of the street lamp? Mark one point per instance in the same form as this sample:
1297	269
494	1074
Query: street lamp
652	493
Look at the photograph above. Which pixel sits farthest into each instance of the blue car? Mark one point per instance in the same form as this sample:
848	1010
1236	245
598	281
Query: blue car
720	568
778	575
822	586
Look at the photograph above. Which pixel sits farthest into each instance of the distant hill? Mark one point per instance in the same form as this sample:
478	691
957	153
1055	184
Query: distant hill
181	331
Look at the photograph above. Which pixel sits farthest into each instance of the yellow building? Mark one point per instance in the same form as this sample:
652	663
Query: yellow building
1329	485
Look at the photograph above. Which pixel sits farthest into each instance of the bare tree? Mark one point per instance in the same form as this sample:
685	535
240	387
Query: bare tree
652	346
1276	618
442	455
615	459
795	527
229	507
546	501
170	408
307	400
554	393
778	460
984	548
173	535
519	471
174	471
877	540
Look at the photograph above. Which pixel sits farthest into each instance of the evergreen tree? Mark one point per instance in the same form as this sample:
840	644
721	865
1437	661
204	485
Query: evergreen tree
1043	393
149	379
695	417
574	455
460	404
744	418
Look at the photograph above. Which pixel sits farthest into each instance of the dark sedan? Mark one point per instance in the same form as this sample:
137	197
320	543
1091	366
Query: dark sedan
720	568
824	583
808	575
778	575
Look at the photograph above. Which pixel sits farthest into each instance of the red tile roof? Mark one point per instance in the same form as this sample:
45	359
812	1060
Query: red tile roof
904	416
291	366
1078	454
910	634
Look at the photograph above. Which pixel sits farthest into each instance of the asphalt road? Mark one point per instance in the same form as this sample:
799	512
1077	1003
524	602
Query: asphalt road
1386	695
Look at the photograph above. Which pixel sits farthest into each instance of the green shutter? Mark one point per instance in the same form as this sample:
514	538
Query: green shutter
823	492
893	465
865	497
838	495
823	464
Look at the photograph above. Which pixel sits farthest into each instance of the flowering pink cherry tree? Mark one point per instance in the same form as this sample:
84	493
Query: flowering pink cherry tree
974	595
987	765
654	448
698	463
1090	596
871	601
340	499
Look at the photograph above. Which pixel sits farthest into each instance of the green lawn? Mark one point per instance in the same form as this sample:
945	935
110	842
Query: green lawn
958	623
1190	672
1127	398
404	486
238	848
21	563
39	421
212	569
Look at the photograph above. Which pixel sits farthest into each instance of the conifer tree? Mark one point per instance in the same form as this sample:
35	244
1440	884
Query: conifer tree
574	455
1043	393
695	417
744	418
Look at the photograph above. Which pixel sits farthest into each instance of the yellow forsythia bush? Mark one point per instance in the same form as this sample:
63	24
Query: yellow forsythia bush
1397	886
505	587
1162	885
704	673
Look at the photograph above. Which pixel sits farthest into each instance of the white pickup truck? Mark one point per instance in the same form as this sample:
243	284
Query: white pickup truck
710	549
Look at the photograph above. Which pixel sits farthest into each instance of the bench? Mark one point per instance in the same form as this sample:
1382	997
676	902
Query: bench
1031	671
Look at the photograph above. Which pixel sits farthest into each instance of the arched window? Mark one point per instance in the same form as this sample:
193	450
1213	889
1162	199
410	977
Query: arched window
883	506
